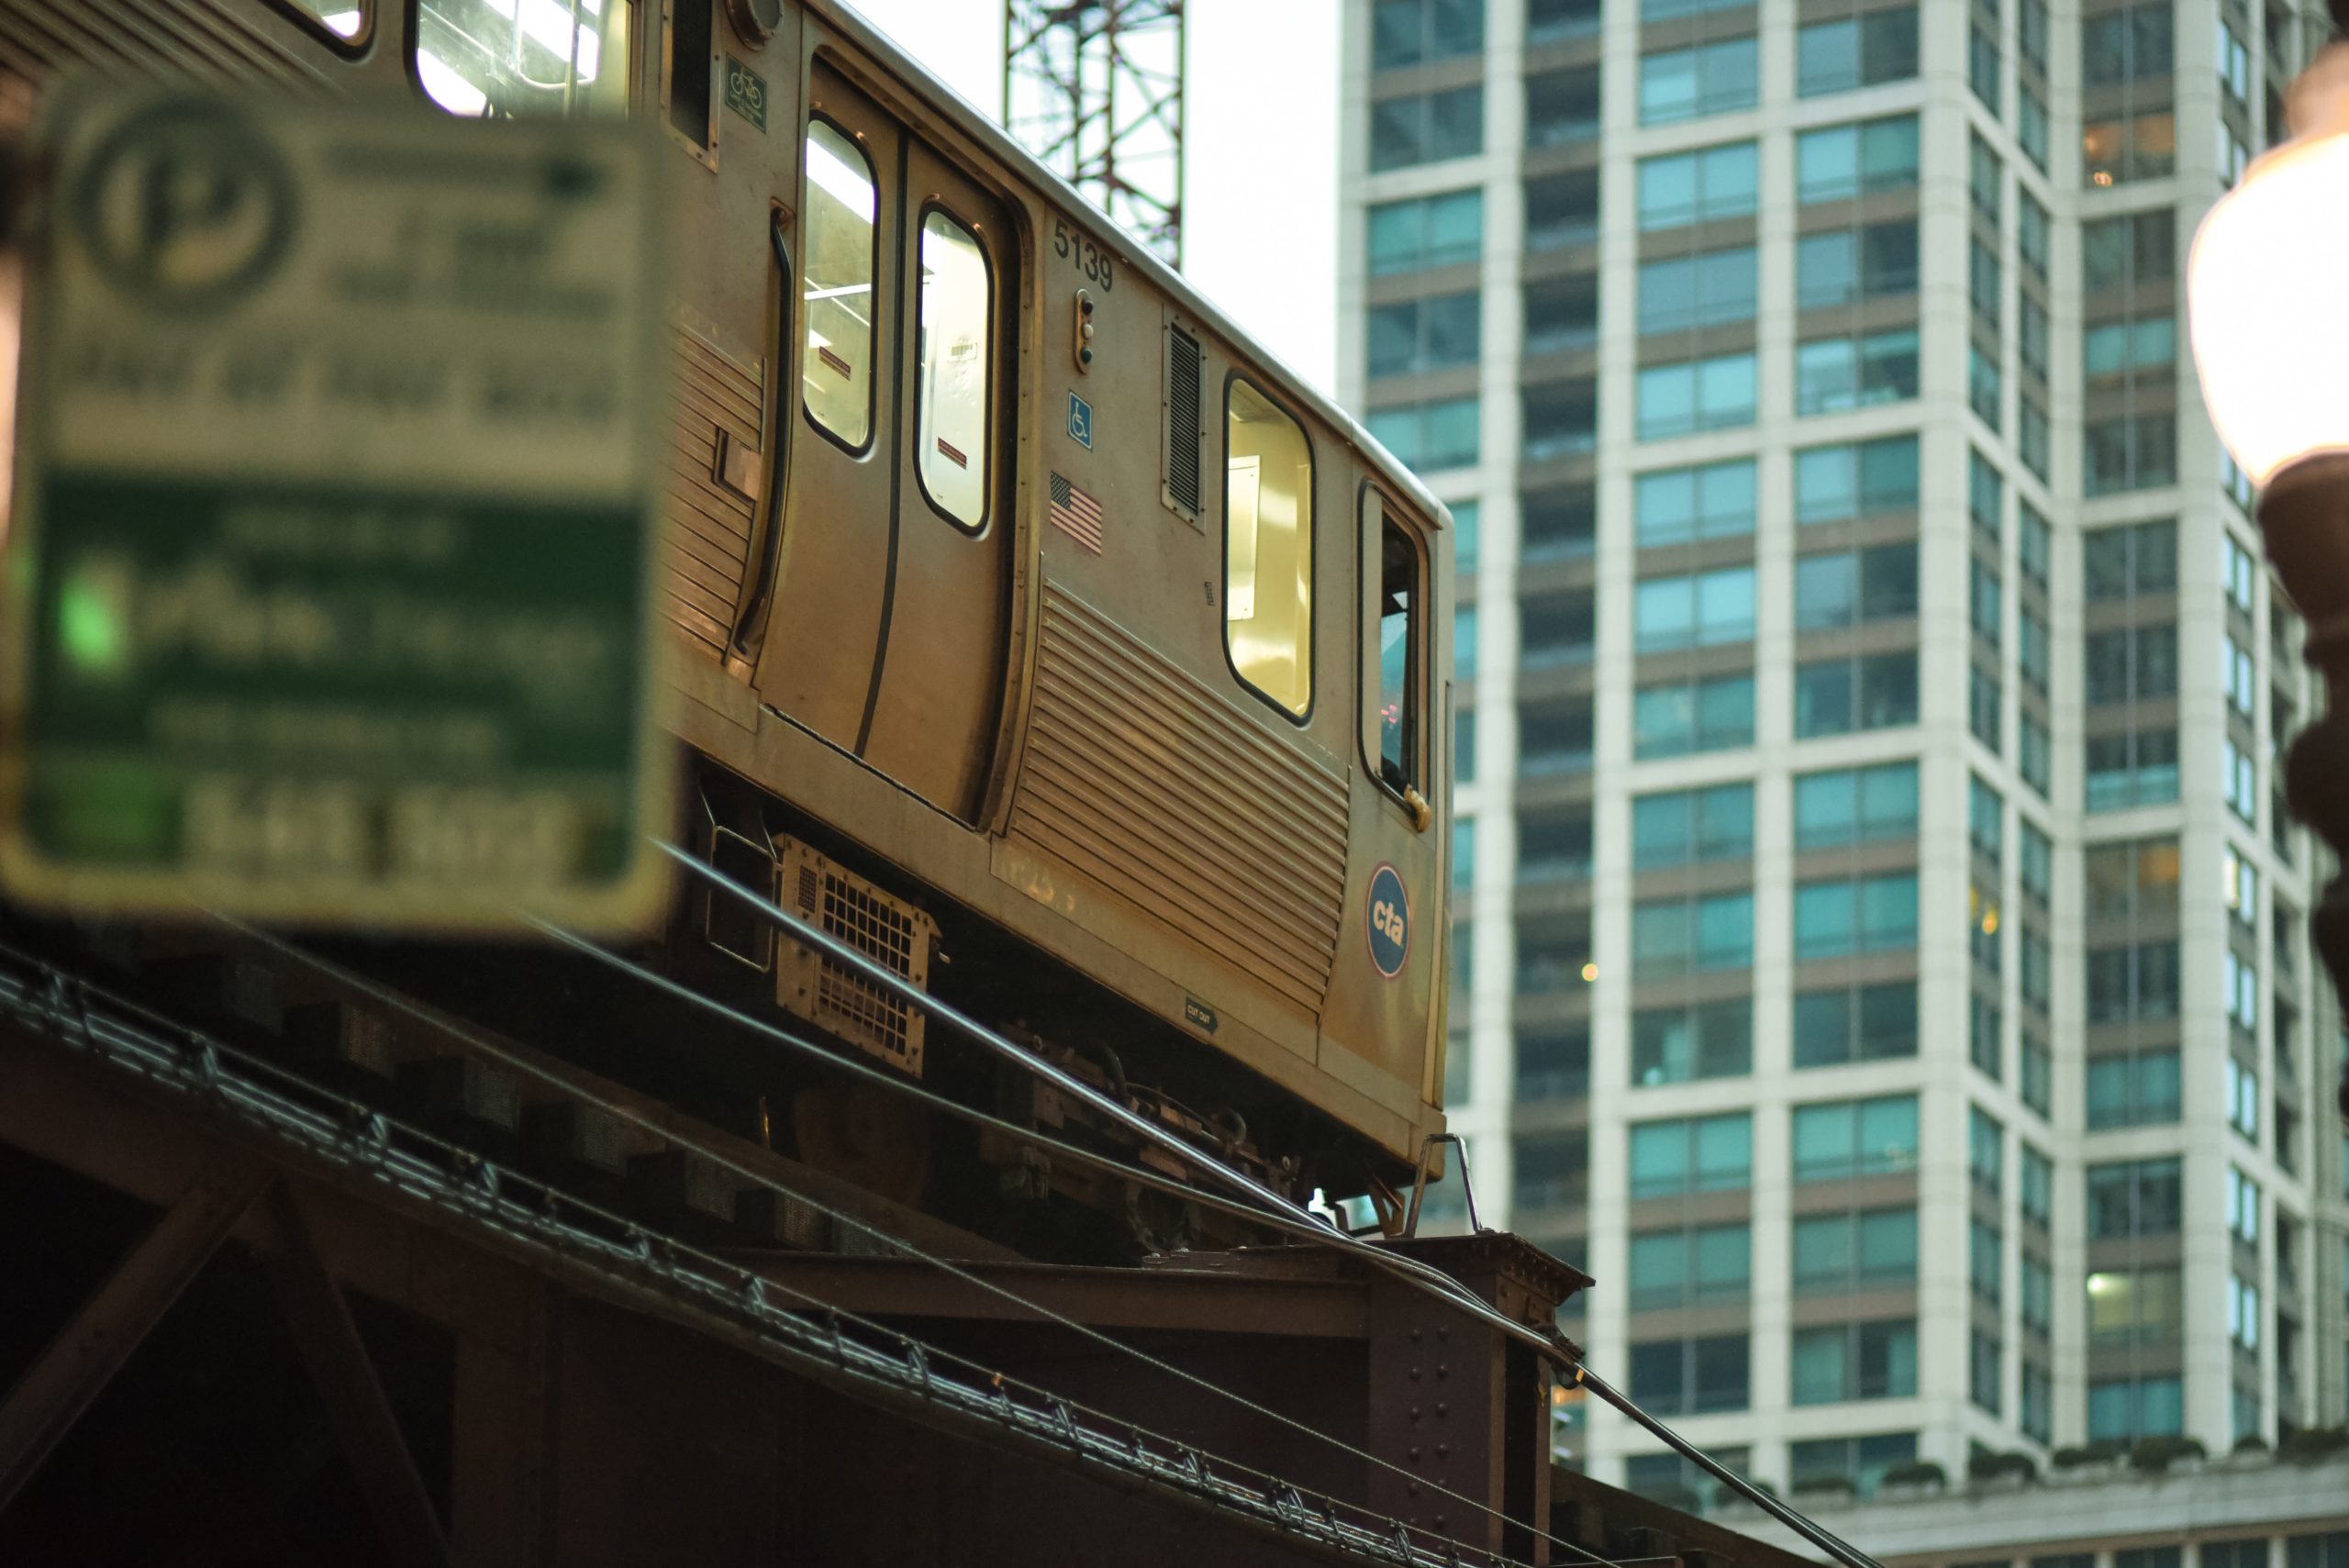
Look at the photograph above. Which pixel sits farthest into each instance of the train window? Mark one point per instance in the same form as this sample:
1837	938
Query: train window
956	369
693	66
835	371
519	56
1268	549
1397	653
345	20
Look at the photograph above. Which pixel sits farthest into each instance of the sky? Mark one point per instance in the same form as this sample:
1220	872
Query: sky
1261	127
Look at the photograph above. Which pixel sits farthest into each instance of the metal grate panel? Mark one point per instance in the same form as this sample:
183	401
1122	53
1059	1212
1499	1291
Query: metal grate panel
886	929
1184	421
856	1005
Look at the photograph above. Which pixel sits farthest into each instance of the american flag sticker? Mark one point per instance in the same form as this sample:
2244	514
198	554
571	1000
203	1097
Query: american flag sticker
1076	514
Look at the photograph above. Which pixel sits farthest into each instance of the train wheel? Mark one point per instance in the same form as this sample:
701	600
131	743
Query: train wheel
879	1141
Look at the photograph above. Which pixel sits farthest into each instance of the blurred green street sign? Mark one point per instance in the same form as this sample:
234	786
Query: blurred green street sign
329	586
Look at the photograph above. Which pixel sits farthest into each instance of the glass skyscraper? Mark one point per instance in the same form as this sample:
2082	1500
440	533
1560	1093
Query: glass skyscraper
1883	960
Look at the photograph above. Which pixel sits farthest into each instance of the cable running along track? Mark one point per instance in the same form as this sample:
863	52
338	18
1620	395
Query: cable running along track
1551	1346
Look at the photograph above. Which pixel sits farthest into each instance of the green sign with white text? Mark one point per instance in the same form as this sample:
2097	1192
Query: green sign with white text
746	91
330	572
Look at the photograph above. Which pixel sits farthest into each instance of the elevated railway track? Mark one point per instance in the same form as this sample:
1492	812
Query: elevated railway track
460	1321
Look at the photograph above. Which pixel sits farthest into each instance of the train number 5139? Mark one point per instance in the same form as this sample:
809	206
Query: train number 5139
1081	254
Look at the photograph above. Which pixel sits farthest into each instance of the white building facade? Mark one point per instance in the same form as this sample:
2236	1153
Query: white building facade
1883	953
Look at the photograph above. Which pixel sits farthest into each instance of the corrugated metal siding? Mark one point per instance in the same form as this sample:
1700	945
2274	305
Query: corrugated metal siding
167	38
708	539
1141	776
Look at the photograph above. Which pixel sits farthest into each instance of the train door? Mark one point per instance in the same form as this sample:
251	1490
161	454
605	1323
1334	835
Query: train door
1394	821
939	691
889	625
830	596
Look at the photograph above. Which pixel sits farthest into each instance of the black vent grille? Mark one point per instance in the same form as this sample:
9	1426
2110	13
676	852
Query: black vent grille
1184	419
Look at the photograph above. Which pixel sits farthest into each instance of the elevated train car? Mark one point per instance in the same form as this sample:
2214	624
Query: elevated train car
1034	631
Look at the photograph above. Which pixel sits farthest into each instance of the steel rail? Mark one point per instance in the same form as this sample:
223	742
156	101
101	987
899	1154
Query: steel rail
831	946
492	1050
897	1083
1550	1346
422	1167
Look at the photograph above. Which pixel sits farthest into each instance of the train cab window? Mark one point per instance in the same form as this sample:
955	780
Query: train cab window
955	372
498	61
1397	651
1268	549
835	371
343	20
693	68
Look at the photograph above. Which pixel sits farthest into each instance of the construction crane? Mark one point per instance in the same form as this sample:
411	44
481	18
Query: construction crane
1094	88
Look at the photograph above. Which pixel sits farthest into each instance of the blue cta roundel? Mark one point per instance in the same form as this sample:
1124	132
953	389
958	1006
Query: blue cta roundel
1390	921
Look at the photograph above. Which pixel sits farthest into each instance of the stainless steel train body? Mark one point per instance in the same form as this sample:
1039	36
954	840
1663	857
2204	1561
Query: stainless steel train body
1033	595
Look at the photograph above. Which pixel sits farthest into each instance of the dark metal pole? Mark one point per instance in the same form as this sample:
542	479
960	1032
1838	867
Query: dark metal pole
2304	516
356	1407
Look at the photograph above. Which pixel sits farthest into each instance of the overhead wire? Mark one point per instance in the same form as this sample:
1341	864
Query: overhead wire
1300	1221
896	1083
211	1052
859	964
521	1063
1551	1347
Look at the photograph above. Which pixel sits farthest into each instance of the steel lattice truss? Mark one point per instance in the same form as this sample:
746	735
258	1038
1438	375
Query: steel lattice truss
1094	88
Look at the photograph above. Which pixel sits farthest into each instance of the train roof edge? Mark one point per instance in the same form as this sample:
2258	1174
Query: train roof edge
968	120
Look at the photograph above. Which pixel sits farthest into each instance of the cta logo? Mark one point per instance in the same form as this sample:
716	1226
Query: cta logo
1390	921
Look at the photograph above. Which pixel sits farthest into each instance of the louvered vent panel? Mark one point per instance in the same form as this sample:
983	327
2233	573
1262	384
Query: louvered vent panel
710	525
201	40
1184	421
888	931
1143	778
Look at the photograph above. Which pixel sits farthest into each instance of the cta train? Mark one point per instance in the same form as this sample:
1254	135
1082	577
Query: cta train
1034	631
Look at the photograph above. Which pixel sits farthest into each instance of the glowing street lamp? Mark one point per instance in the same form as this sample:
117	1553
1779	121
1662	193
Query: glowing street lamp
2270	327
